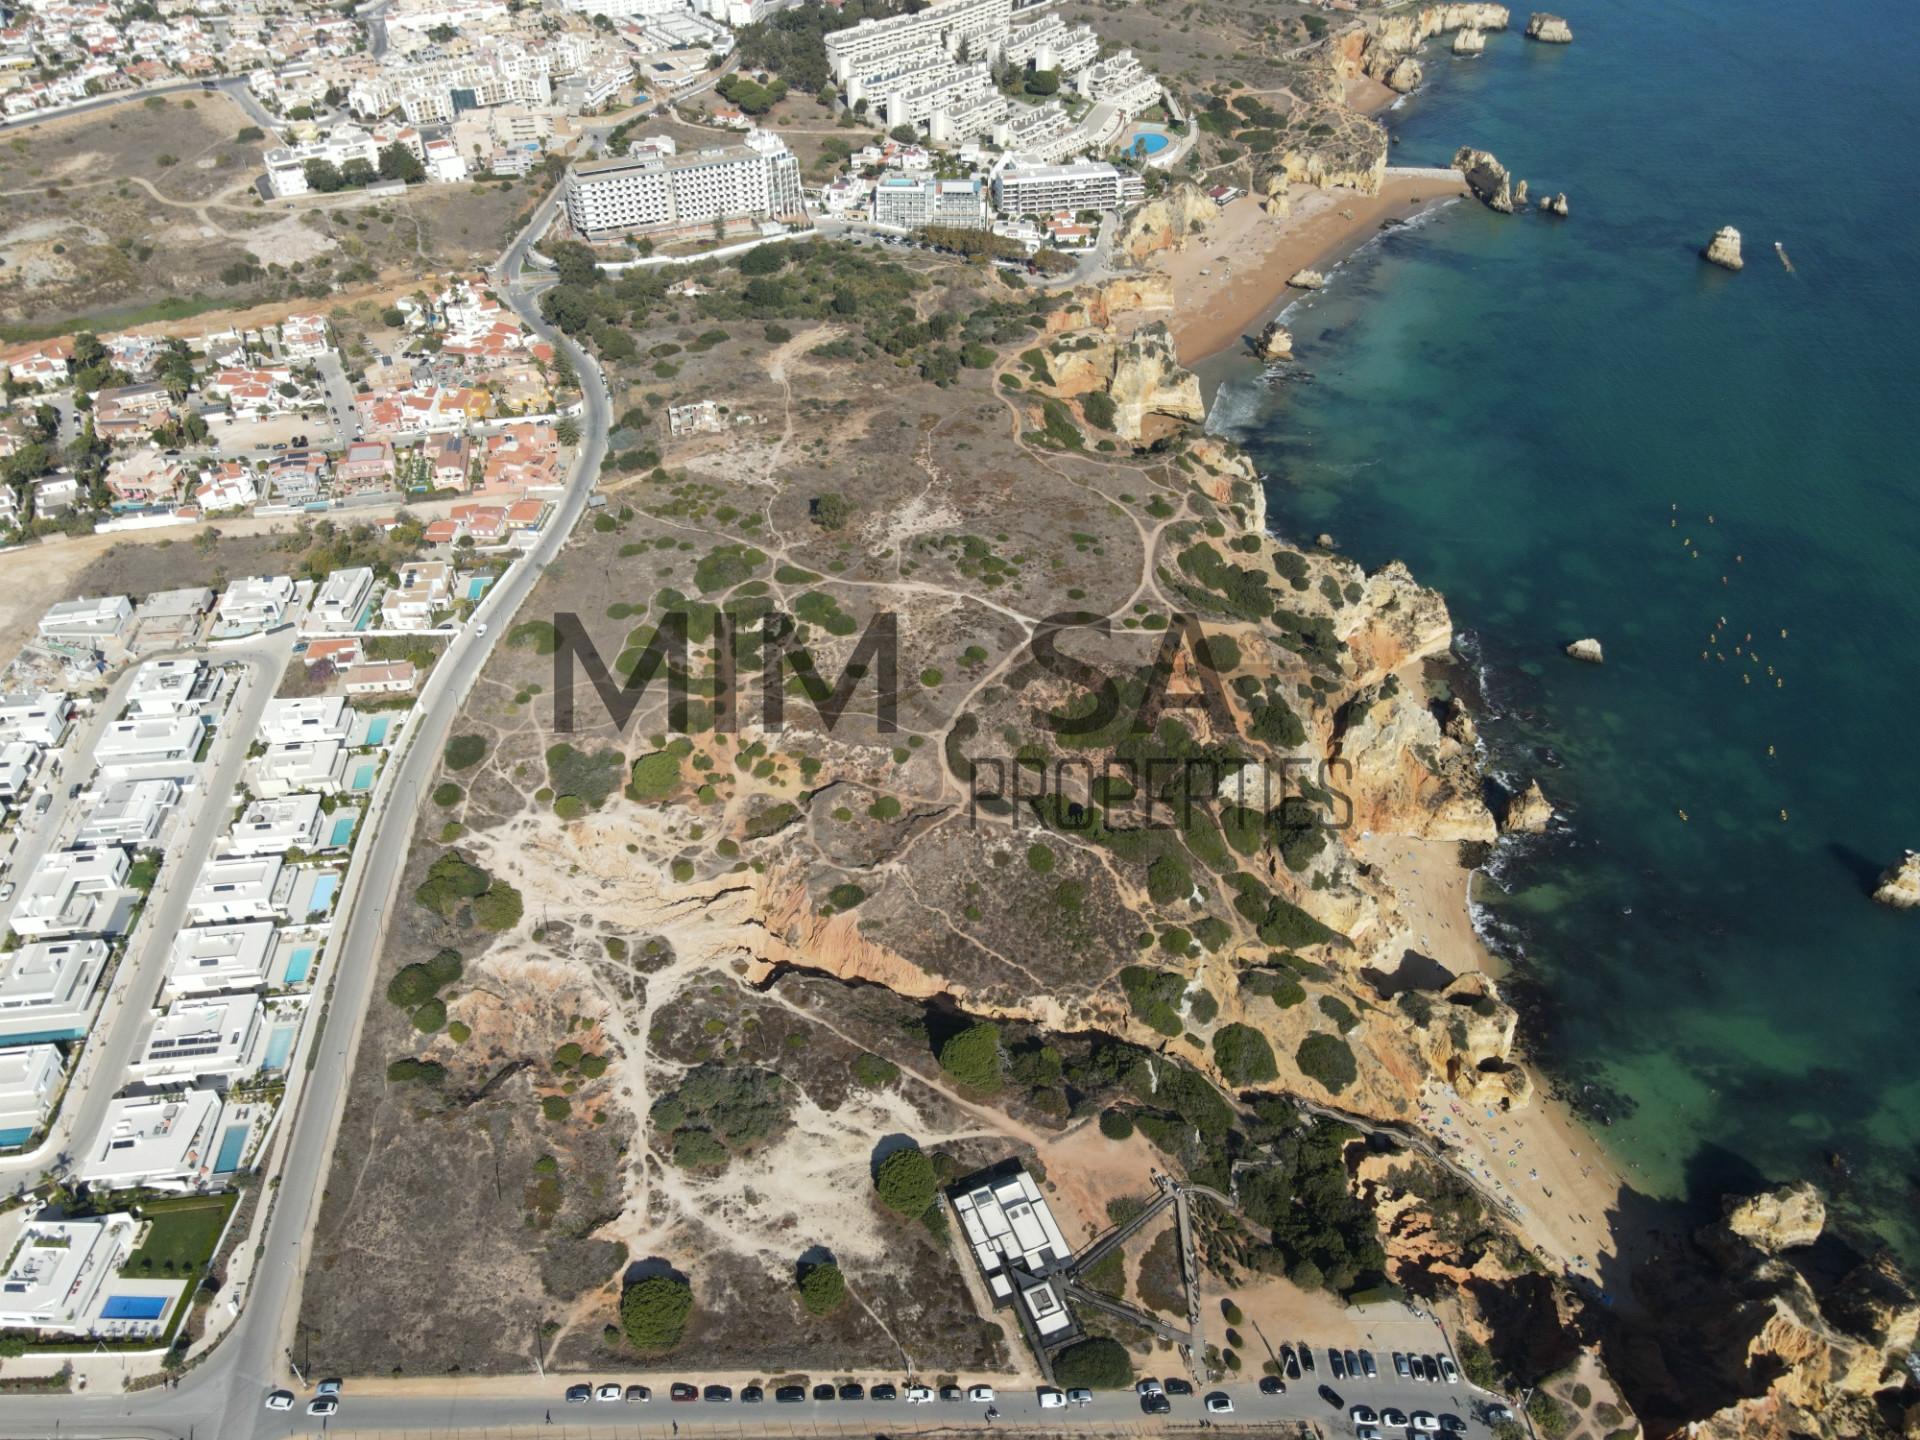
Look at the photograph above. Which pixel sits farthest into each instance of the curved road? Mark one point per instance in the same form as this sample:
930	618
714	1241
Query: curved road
222	1395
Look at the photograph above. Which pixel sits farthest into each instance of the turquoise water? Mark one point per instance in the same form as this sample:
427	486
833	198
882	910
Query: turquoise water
1515	406
14	1139
231	1144
279	1046
323	889
1147	142
362	780
298	966
377	729
343	828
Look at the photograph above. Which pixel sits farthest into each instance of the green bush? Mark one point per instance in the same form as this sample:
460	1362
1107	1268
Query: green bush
447	794
413	986
1153	994
873	1072
1551	1416
1097	1364
973	1056
845	896
1168	880
463	752
654	776
654	1311
1581	1397
407	1069
1099	408
556	1107
823	1289
1327	1059
499	908
450	879
905	1182
1243	1055
431	1018
1116	1124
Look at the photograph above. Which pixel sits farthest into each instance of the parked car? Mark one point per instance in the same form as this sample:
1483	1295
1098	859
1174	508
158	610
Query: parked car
1428	1364
1080	1396
919	1395
1400	1364
1148	1387
608	1394
1367	1432
1425	1423
1337	1365
884	1392
1453	1424
1306	1358
1332	1397
1179	1387
1394	1419
952	1392
1219	1403
638	1395
6	892
1272	1385
718	1395
853	1391
579	1394
823	1392
1155	1404
981	1394
327	1387
1353	1364
752	1395
789	1394
1051	1399
1449	1371
1367	1365
279	1399
323	1405
683	1392
1363	1415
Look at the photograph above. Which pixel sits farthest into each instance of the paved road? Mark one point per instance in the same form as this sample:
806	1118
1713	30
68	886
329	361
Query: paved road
223	1395
233	86
143	968
339	392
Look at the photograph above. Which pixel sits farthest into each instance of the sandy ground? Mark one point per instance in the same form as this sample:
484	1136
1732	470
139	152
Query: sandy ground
1561	1183
1226	281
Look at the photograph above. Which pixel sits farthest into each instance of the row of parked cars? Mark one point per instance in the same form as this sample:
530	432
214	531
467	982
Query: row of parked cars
1156	1396
1371	1425
1359	1365
683	1393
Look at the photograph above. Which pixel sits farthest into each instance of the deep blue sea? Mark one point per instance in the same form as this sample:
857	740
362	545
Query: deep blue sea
1575	427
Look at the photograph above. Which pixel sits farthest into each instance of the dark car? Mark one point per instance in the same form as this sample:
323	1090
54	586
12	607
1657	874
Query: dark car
1178	1387
823	1392
718	1394
883	1392
1332	1397
1431	1368
1306	1357
789	1394
1334	1363
579	1394
1353	1365
853	1391
1272	1385
683	1392
752	1395
1371	1370
1155	1404
952	1392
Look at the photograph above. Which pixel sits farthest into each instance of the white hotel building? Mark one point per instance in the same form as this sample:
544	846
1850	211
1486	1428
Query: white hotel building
756	180
1023	188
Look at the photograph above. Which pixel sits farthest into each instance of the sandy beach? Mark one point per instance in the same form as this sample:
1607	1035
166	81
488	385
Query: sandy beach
1563	1189
1226	281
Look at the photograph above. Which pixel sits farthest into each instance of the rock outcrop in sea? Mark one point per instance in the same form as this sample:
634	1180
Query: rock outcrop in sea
1549	29
1900	883
1385	48
1528	812
1724	249
1776	1220
1275	342
1469	41
1588	650
1554	204
1306	280
1519	194
1486	177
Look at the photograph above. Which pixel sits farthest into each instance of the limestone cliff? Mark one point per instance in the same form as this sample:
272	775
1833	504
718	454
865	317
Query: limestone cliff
1899	884
1166	222
1409	777
1776	1220
1528	813
1098	307
1486	177
1387	44
1149	380
1469	42
1549	29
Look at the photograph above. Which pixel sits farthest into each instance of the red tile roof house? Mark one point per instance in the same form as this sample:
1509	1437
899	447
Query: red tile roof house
449	459
340	652
485	523
365	462
45	363
523	457
395	677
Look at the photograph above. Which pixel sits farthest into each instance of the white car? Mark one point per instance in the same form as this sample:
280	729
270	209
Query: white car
607	1394
1149	1387
1219	1403
1367	1432
1080	1397
1449	1372
1425	1423
1051	1399
918	1395
981	1394
323	1405
1362	1415
1393	1419
280	1399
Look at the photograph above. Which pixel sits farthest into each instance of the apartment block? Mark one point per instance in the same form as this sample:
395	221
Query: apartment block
48	990
758	179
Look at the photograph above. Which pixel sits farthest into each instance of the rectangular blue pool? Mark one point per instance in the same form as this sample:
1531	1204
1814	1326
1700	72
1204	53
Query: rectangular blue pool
377	729
323	888
134	1307
299	966
342	830
362	778
279	1044
14	1139
231	1144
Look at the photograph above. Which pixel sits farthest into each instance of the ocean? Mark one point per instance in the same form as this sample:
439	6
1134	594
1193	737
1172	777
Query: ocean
1578	428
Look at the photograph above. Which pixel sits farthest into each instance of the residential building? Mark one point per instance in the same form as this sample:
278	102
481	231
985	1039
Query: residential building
167	1142
393	677
163	689
29	1083
173	740
304	337
341	602
35	717
213	959
87	621
240	887
316	765
44	364
63	1277
306	719
425	589
19	763
981	24
228	485
365	462
758	179
1017	1243
339	147
256	603
910	202
215	1038
1023	188
47	990
127	812
75	892
273	827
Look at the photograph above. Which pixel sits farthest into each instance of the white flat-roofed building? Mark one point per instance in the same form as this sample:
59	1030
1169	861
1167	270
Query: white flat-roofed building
341	600
47	990
215	959
1023	188
983	24
240	887
74	892
127	812
309	718
213	1037
86	621
168	1142
58	1271
273	827
1017	1244
35	717
908	203
19	763
256	603
29	1082
315	766
758	179
163	689
166	740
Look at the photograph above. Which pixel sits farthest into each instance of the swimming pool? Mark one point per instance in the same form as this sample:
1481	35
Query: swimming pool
231	1144
342	830
14	1139
299	966
323	888
1148	142
134	1307
279	1046
363	778
377	729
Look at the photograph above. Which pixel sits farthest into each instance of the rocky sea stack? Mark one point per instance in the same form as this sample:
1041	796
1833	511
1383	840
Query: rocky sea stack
1486	177
1306	280
1554	204
1900	883
1469	42
1549	29
1528	812
1588	650
1724	249
1275	342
